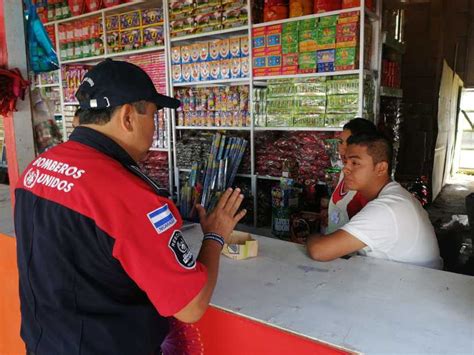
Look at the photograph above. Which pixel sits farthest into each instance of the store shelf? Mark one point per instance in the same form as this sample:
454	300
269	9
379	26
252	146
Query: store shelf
97	58
205	35
307	17
113	55
159	149
183	170
306	76
236	81
205	128
316	129
47	86
135	52
268	177
391	92
98	12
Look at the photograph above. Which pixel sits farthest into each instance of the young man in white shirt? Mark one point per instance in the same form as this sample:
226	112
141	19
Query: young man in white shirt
392	226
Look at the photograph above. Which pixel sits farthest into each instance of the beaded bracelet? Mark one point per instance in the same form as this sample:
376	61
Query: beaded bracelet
215	237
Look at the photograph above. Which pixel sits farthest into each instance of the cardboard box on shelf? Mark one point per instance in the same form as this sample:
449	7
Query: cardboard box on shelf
326	37
241	246
346	58
348	17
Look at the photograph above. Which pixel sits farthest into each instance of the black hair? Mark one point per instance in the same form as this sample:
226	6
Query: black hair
360	125
102	116
379	147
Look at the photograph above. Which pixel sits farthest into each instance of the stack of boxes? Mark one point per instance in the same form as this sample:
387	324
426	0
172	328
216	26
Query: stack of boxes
324	44
81	39
267	50
134	30
198	16
218	59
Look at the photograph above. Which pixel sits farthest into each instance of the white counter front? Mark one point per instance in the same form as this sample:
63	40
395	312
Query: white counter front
361	304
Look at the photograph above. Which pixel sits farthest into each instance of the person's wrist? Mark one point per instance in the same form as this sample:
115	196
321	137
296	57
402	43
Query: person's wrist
214	237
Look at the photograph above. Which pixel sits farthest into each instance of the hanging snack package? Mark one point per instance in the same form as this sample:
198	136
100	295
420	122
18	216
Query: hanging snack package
43	57
275	10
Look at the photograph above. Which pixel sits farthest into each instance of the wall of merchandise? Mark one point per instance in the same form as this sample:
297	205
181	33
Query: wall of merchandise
284	86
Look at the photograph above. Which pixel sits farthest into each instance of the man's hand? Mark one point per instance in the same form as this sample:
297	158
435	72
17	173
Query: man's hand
224	217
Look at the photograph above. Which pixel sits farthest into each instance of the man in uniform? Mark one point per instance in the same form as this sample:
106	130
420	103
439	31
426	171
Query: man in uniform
102	261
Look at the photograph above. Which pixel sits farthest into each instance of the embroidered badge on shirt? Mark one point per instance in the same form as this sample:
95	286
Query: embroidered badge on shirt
162	219
181	250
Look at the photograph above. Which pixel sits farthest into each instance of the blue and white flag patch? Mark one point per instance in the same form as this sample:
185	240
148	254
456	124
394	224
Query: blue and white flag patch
162	219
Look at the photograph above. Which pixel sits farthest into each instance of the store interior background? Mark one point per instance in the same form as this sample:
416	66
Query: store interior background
437	132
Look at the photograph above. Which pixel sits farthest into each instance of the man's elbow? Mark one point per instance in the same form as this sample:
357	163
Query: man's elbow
318	254
191	314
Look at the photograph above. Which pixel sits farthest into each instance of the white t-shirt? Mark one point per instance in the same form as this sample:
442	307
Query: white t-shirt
394	226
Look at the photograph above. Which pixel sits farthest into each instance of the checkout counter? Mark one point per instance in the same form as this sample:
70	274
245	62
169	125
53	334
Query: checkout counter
282	302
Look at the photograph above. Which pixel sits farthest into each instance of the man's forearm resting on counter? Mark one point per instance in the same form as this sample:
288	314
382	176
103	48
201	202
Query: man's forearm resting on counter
332	246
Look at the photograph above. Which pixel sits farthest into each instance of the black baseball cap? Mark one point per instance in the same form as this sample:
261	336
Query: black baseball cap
113	83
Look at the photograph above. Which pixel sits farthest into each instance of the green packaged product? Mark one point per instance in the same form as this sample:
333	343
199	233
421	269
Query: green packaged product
312	87
305	25
343	86
289	38
328	20
290	48
310	104
307	60
346	58
342	103
326	37
309	120
279	120
290	27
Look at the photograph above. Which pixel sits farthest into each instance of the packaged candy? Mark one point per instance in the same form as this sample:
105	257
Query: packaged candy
224	48
214	49
130	20
130	39
153	36
205	71
176	55
235	68
195	72
153	16
176	73
112	23
186	72
215	70
244	46
194	52
185	54
203	51
225	69
234	45
245	67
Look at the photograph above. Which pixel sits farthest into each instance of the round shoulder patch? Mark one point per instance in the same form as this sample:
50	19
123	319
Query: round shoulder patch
181	251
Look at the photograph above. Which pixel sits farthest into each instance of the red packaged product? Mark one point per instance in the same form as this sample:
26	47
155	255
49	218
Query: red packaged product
347	4
275	10
326	5
76	7
110	3
93	5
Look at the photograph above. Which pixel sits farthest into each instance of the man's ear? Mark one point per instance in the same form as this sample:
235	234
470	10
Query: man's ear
125	117
381	168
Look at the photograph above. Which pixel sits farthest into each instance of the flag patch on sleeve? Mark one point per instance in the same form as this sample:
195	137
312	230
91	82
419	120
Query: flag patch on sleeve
162	218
